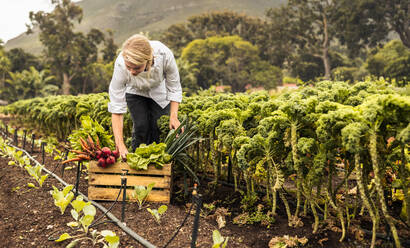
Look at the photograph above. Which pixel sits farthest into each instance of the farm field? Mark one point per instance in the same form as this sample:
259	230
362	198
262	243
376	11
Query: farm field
36	218
322	166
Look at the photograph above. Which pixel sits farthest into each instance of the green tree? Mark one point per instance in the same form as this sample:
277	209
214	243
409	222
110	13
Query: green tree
22	60
229	61
87	53
309	25
391	61
28	84
370	21
5	66
99	76
67	52
226	23
58	38
110	50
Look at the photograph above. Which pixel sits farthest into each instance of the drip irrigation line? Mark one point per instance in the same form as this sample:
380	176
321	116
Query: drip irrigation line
138	238
55	168
180	226
108	210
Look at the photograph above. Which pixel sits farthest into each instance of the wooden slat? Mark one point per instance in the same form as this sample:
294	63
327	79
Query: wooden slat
115	180
117	168
110	194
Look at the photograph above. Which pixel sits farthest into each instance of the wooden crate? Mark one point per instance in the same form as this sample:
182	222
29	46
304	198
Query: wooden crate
104	183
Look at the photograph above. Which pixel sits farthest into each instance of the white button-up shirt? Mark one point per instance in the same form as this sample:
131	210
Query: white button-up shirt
162	83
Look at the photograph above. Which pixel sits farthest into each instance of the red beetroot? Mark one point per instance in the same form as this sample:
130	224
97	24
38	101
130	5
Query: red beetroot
110	160
99	154
116	154
106	151
102	162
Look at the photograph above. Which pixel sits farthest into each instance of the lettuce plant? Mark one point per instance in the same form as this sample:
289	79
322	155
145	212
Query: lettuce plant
219	241
35	172
141	193
83	213
62	198
157	213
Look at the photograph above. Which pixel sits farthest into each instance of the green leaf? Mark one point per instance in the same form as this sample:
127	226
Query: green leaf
154	213
86	221
396	183
42	179
72	224
217	238
63	237
74	214
78	204
149	187
67	189
12	162
89	210
113	241
162	209
30	185
226	242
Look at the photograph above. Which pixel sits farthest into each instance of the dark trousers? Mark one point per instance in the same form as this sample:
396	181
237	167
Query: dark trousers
144	114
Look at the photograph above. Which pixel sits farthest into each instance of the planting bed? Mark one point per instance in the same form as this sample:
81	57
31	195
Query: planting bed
30	218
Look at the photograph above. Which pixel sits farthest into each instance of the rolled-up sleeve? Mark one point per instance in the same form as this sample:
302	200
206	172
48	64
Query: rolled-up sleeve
172	80
117	104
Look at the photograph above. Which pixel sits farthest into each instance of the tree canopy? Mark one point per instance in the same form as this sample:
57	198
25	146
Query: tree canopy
229	61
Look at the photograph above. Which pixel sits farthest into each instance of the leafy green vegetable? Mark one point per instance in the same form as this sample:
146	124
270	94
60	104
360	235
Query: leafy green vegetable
145	155
219	241
62	198
141	193
92	128
157	213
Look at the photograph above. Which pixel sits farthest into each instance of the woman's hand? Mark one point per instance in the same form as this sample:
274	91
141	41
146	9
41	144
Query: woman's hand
122	149
173	117
174	122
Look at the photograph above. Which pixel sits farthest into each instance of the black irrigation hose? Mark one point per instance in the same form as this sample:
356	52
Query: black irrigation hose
108	210
180	226
140	239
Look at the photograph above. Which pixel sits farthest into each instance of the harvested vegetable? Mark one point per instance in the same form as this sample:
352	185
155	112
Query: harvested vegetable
92	151
151	154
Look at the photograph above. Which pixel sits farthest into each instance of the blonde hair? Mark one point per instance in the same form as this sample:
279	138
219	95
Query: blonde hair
137	50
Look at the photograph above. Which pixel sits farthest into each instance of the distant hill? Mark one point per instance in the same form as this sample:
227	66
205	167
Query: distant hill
126	17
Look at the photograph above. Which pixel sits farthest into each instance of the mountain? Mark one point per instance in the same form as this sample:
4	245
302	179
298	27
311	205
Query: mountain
126	17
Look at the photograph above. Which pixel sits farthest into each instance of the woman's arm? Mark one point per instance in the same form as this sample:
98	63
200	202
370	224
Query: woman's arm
174	89
173	116
117	128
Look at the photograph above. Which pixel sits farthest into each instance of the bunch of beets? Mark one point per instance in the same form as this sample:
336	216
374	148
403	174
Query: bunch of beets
93	151
106	157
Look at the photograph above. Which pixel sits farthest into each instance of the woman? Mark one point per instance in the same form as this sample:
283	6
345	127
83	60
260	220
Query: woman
146	80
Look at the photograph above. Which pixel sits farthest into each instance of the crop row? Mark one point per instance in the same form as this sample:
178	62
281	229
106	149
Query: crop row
343	148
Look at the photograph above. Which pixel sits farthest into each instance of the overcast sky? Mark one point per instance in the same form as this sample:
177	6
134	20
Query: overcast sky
14	15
